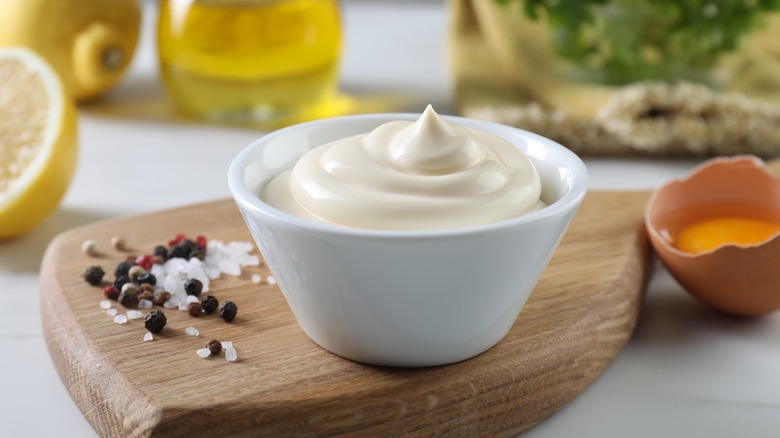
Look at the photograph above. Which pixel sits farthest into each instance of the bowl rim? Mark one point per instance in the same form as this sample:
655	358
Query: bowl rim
249	201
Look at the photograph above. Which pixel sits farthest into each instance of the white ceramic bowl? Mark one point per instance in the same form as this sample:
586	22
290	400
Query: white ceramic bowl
404	298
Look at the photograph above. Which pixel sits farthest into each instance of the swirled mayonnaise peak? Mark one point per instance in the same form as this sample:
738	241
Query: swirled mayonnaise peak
403	175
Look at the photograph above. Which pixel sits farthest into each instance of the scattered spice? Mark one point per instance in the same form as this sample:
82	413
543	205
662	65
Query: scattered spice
160	251
128	296
135	272
120	281
147	278
214	346
210	304
119	243
228	311
194	309
111	292
160	297
94	275
193	286
90	247
123	268
155	321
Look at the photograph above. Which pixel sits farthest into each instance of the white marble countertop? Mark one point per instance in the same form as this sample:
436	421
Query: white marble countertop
687	372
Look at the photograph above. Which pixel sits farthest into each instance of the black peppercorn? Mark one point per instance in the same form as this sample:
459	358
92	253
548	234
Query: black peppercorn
122	269
94	275
155	321
178	252
160	251
147	278
121	281
193	286
194	309
214	346
228	311
209	304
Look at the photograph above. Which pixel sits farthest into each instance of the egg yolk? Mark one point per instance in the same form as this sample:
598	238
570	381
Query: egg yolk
706	235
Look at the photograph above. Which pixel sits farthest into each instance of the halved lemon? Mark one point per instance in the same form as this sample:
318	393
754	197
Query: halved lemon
38	141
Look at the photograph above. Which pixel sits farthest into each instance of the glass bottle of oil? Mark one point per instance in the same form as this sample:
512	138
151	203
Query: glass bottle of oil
272	62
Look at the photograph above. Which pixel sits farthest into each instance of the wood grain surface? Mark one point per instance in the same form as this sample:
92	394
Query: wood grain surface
578	318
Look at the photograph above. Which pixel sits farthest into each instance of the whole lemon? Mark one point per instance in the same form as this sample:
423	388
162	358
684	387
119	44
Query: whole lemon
89	42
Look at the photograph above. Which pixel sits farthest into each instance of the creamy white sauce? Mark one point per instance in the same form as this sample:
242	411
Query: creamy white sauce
426	174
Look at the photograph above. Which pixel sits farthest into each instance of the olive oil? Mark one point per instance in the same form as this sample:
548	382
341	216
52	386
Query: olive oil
271	62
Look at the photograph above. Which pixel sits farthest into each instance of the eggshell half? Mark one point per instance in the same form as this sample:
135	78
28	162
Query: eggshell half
740	280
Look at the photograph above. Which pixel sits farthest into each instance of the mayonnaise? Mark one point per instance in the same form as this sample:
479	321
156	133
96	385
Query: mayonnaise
426	174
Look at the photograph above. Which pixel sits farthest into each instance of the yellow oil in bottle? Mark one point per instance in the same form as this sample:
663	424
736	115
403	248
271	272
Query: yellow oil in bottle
274	62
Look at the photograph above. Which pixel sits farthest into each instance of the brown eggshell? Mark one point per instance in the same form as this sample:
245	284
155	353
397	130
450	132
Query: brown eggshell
740	280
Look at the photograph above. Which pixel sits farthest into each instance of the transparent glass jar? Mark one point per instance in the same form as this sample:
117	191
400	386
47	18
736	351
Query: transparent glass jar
267	62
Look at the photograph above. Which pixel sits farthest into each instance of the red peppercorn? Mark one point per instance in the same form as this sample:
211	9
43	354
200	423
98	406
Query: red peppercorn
111	292
179	237
194	309
146	262
201	241
214	346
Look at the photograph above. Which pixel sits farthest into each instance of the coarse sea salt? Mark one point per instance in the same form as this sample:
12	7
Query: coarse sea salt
134	314
192	331
256	278
231	354
203	352
192	299
148	337
270	279
120	319
105	304
145	304
220	259
227	344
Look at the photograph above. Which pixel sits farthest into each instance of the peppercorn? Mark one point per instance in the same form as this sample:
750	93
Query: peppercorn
128	296
134	272
201	241
111	292
228	311
90	247
94	275
178	252
194	309
214	346
193	286
146	262
160	297
120	281
209	304
160	251
155	321
119	243
123	268
147	278
144	293
197	253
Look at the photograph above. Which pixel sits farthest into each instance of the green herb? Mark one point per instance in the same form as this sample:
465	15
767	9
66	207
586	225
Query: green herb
623	41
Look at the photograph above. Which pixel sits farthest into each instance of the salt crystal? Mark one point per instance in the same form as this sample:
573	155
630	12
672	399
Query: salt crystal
227	344
105	304
148	336
203	352
256	278
170	304
192	299
270	279
144	304
112	312
134	314
120	319
192	331
231	354
183	306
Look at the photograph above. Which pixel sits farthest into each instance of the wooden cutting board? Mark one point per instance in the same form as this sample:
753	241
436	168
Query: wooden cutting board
580	315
